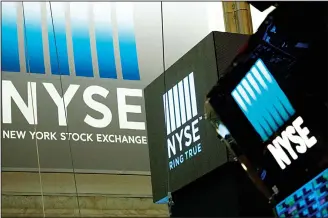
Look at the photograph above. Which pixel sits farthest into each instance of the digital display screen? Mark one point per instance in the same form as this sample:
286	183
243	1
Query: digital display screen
311	200
269	94
183	145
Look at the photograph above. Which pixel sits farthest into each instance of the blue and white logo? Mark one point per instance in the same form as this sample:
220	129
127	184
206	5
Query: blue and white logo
262	101
182	122
70	38
180	104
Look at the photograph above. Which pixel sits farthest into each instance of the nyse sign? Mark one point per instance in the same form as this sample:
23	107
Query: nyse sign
31	77
267	108
77	39
182	122
97	113
92	112
296	135
30	112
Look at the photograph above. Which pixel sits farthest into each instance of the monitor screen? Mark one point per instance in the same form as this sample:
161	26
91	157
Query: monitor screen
311	200
271	101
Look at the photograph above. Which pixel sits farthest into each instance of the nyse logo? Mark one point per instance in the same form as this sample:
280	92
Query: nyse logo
77	38
62	102
72	39
267	108
263	102
180	108
293	134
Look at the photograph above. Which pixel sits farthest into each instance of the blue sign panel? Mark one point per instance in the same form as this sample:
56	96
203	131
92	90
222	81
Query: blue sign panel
81	17
262	101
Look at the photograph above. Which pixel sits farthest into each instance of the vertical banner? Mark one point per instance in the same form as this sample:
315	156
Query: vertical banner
104	39
9	37
127	42
56	20
80	28
33	37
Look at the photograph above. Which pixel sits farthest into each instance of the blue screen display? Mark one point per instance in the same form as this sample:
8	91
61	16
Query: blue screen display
311	200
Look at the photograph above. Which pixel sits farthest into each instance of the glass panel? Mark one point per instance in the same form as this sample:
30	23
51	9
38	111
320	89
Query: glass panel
21	181
56	159
73	74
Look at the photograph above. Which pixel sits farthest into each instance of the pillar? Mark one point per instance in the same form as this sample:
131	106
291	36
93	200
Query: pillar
237	17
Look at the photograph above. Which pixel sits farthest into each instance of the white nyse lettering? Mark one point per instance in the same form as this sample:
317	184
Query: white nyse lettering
188	136
195	130
301	148
304	132
301	141
61	102
10	92
279	154
179	138
101	108
284	142
123	109
171	147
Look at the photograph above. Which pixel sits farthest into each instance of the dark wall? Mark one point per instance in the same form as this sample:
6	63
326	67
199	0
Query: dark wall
226	191
200	61
205	61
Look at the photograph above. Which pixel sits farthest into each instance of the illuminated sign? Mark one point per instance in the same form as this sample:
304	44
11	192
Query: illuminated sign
181	118
311	200
267	108
72	40
69	41
263	102
30	110
297	135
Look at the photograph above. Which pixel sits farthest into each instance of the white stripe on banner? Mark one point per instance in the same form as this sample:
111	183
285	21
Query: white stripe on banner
263	70
176	105
193	94
182	103
253	83
167	114
244	95
259	78
171	106
187	97
248	88
239	100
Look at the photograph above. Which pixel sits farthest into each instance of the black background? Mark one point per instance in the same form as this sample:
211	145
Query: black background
302	75
225	192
